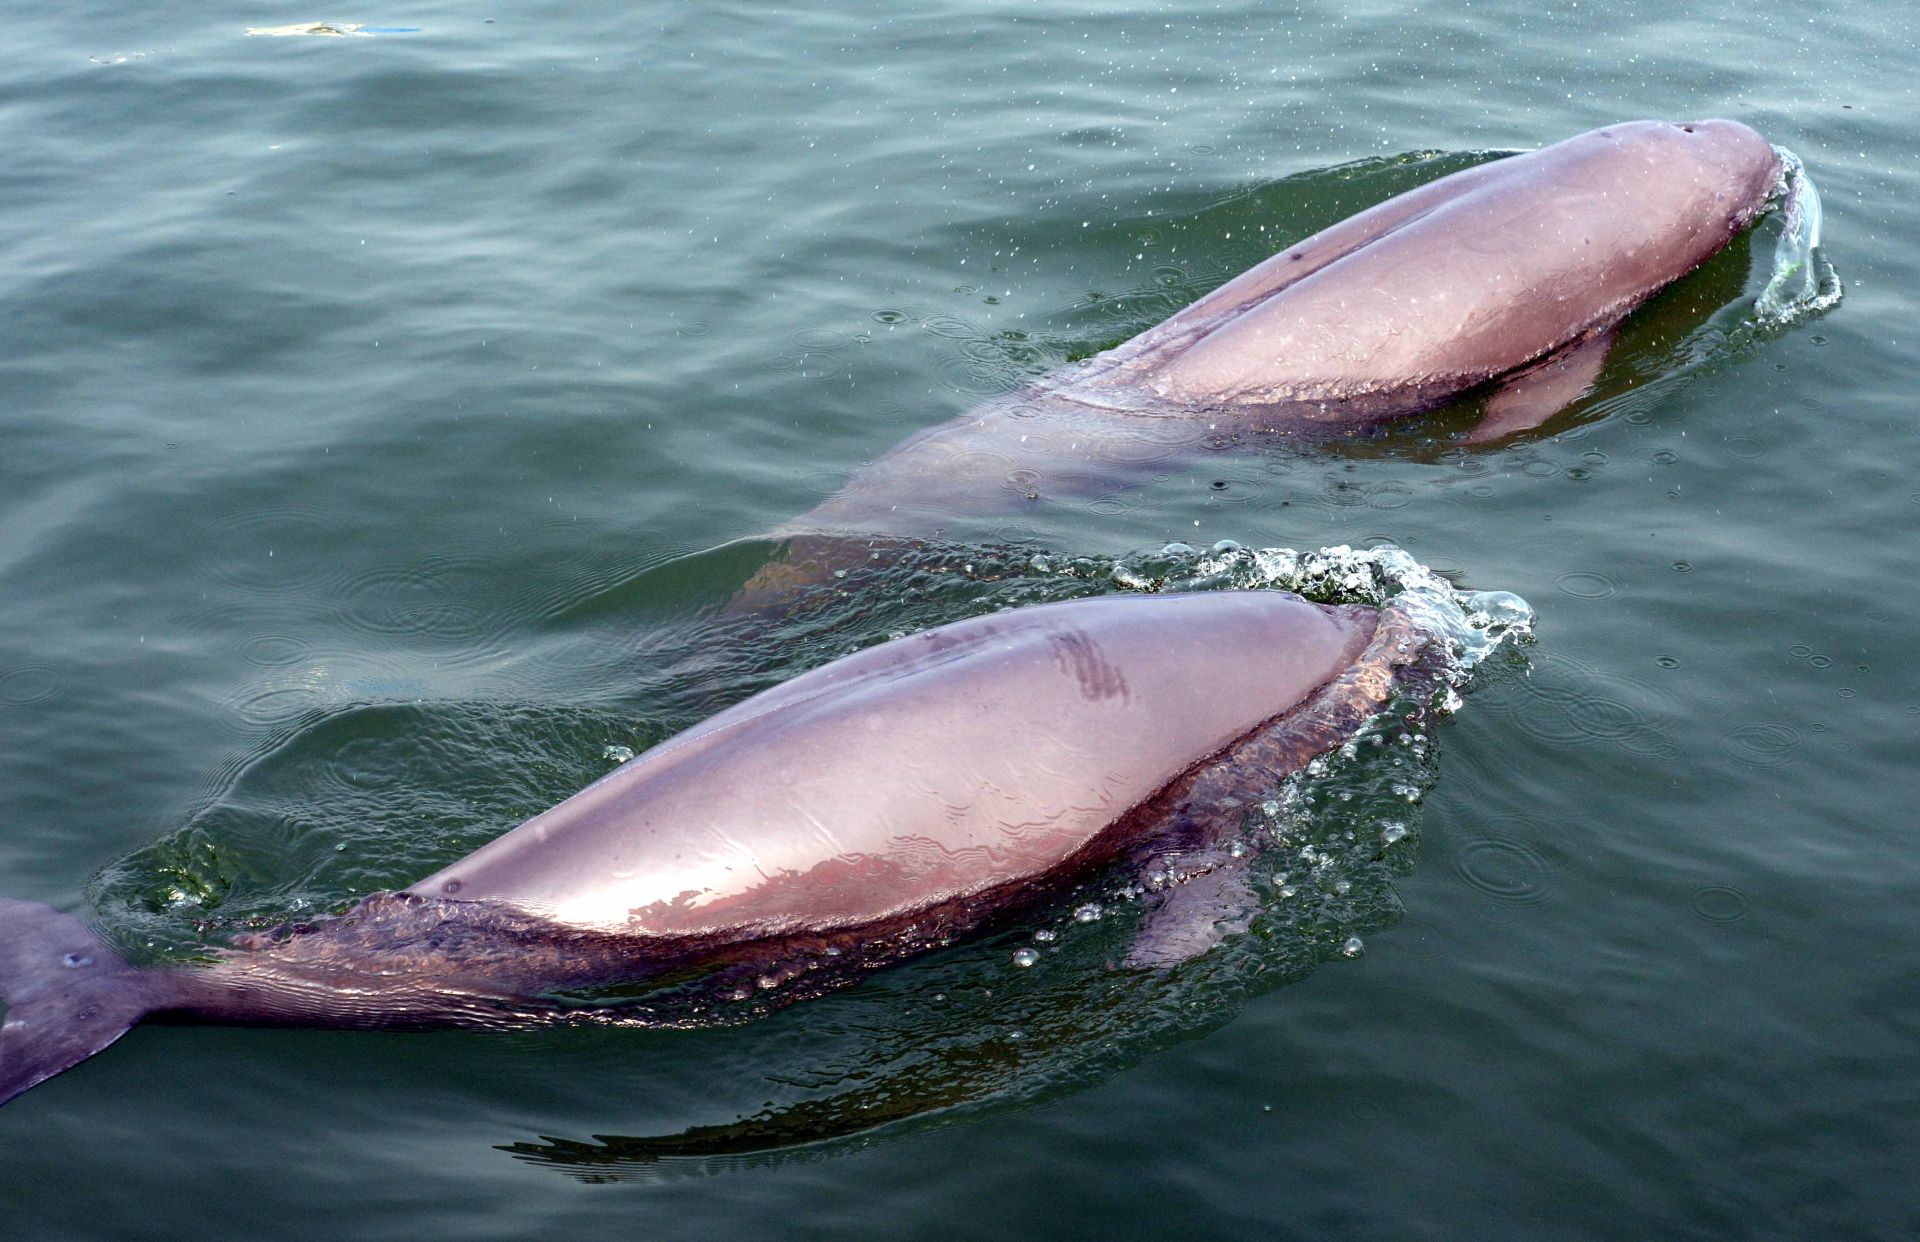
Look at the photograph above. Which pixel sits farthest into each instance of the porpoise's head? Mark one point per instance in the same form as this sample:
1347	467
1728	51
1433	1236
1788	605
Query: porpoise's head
1730	160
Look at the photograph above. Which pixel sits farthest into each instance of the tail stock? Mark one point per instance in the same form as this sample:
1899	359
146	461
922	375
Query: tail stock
66	993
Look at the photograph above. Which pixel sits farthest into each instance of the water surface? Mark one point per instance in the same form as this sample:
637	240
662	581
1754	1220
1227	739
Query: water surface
373	406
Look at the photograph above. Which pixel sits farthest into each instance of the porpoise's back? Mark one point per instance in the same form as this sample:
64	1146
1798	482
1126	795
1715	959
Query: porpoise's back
966	758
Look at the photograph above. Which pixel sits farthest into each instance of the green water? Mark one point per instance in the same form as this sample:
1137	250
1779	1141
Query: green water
380	415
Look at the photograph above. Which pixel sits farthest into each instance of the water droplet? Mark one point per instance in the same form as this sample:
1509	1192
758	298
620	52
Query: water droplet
1354	947
1025	957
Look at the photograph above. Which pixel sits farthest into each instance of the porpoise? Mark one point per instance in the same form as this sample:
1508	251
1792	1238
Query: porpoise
877	807
1512	274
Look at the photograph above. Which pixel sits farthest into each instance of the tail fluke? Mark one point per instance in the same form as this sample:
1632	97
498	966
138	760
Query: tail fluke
66	994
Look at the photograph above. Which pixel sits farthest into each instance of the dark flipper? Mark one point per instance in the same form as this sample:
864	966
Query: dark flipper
1192	916
1528	398
67	994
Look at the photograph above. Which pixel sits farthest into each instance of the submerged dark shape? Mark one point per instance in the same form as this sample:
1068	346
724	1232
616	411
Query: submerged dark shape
877	807
1514	272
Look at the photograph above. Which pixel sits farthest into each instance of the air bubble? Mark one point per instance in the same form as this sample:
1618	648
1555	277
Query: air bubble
1024	958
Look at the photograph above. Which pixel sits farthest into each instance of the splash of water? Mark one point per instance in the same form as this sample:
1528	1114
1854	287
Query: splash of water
1471	625
1802	283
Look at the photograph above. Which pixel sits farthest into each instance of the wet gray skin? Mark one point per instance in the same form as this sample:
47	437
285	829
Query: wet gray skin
876	807
1518	268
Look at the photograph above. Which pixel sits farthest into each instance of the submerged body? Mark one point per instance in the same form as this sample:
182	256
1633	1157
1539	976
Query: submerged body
876	807
1518	268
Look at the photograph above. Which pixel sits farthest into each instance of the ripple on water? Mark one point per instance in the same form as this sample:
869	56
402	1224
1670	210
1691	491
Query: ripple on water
981	465
952	327
1585	584
1566	702
1764	745
274	702
26	685
273	650
1150	441
1719	903
971	377
274	548
820	340
1502	860
432	599
809	365
1390	495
